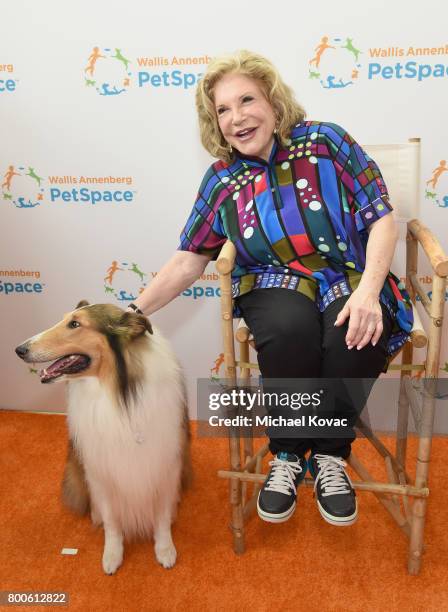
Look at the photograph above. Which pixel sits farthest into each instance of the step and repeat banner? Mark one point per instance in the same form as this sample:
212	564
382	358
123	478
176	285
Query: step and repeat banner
100	158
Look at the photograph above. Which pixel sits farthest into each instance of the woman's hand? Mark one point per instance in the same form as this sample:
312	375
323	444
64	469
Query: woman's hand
363	307
366	319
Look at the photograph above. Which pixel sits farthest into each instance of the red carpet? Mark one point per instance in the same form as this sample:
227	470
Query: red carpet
304	564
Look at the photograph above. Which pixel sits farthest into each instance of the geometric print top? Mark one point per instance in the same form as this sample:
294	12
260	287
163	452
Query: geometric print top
298	221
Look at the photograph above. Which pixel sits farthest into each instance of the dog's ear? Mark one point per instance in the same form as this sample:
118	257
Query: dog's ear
136	324
82	303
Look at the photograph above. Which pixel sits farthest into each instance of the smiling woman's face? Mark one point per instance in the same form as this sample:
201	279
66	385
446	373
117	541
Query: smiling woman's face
245	116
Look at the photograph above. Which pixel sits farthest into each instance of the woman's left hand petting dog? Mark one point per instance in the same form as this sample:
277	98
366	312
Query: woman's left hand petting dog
129	440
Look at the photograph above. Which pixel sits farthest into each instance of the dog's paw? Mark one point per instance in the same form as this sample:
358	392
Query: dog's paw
112	559
166	555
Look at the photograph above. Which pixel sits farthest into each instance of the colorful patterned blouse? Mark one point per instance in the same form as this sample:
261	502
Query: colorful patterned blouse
298	221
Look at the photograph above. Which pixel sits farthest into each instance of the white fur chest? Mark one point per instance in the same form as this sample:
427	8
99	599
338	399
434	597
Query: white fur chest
111	440
129	458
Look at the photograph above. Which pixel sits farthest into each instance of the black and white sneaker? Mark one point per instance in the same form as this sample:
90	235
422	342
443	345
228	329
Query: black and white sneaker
336	498
277	499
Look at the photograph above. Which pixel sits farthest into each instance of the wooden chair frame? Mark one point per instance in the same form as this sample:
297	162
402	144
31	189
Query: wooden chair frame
395	494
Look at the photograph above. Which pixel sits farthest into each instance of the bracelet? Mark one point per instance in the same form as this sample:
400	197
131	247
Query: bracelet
135	308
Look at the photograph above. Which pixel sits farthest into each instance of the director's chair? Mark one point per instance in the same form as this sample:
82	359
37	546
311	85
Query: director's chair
405	498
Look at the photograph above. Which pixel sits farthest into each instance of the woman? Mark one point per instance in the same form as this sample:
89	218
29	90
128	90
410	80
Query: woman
307	210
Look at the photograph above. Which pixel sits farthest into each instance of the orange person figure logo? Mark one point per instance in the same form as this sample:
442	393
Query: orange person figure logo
6	185
93	57
111	271
436	173
321	47
218	363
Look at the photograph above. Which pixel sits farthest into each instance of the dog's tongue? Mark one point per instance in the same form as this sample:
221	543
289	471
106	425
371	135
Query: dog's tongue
65	365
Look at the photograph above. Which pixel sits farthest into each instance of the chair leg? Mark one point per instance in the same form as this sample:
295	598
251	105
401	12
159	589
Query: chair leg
236	501
427	421
237	524
403	412
421	477
416	541
248	452
248	441
419	506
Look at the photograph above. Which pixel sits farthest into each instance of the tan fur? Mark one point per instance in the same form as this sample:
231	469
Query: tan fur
75	493
61	340
136	325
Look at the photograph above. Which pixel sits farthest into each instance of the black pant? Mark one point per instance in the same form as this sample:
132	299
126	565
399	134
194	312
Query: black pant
294	340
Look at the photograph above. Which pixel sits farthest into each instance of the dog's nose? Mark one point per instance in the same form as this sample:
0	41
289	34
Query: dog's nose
22	350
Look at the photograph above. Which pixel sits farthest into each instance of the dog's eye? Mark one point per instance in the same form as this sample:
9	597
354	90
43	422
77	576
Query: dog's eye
74	324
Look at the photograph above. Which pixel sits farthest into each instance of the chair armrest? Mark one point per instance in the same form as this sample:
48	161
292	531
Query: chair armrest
243	333
419	337
226	258
431	246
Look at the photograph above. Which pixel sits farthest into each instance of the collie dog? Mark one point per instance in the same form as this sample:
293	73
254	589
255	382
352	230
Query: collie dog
128	454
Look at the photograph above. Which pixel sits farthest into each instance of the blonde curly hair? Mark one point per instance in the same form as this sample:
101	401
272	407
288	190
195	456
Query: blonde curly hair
287	110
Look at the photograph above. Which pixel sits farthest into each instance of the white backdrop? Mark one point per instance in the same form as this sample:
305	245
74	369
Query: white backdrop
90	91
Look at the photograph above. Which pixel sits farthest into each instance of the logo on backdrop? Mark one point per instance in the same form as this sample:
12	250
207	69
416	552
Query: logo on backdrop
8	81
339	62
437	186
19	281
218	363
22	186
125	281
335	63
110	72
25	187
199	290
107	71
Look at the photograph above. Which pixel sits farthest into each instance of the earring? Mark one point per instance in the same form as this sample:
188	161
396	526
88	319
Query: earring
230	149
275	130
